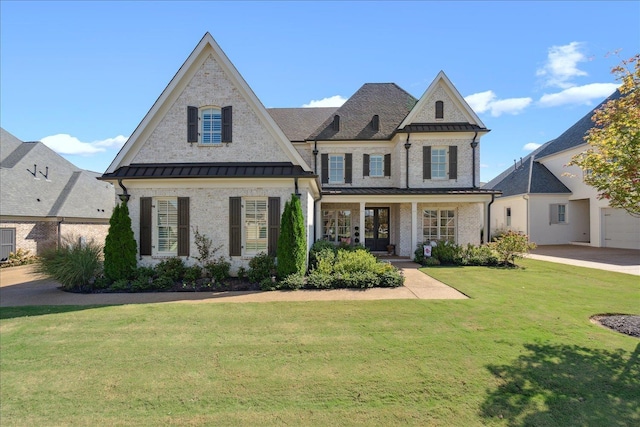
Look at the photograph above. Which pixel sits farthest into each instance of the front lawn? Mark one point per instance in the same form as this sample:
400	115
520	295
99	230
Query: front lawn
520	351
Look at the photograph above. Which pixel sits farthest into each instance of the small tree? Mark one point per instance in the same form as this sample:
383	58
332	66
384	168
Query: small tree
611	162
292	242
119	246
511	246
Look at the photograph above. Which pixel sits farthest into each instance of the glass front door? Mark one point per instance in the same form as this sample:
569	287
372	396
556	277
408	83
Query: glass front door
376	228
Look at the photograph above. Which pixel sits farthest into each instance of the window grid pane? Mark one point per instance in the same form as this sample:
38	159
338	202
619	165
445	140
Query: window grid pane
336	226
211	132
376	165
256	231
336	169
438	225
438	163
167	226
561	213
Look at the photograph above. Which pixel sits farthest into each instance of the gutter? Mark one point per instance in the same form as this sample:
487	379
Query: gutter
474	144
493	197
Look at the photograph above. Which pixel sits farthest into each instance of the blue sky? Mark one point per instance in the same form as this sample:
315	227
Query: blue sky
80	76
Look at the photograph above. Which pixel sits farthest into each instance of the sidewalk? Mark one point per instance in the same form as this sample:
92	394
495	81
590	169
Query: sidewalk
20	287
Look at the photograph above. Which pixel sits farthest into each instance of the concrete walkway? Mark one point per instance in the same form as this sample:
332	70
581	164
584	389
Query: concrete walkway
20	287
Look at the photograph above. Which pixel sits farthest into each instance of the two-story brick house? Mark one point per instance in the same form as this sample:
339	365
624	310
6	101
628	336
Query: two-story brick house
383	169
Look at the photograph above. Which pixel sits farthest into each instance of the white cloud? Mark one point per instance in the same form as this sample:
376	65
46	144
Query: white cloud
561	65
531	146
486	101
581	95
63	143
332	101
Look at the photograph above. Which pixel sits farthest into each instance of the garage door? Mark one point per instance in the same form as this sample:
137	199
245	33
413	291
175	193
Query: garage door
621	230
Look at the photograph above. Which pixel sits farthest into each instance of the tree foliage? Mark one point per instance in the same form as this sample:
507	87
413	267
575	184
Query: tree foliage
611	163
120	245
292	242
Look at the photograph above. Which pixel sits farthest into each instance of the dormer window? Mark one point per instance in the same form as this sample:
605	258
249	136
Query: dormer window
375	123
209	125
336	122
439	110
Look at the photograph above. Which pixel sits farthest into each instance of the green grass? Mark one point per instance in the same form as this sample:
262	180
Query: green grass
521	351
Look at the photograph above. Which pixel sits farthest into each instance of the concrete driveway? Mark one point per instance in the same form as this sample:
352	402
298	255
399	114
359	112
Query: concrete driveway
611	259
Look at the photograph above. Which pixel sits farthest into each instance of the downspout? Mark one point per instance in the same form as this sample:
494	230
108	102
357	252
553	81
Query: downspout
493	196
474	144
315	171
124	197
407	145
315	156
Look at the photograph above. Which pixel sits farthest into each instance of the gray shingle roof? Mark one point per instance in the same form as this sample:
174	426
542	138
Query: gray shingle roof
37	182
521	179
298	123
209	170
387	100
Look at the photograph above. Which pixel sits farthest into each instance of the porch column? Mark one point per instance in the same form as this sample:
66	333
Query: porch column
414	227
318	221
362	223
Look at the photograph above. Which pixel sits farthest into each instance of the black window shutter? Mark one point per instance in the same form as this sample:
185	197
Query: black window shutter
365	165
324	160
347	168
387	165
453	162
183	226
192	124
235	231
274	225
145	226
439	110
227	123
426	162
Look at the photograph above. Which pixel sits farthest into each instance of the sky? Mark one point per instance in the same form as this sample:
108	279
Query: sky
80	76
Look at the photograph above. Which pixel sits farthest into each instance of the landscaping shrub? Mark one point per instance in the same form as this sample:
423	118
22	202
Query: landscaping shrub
292	241
218	269
391	279
318	280
163	283
447	253
120	245
352	261
261	266
292	282
172	268
192	273
510	246
19	257
316	248
121	285
204	245
430	262
478	255
74	265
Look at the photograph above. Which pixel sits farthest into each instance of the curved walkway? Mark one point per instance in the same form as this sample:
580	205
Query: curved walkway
20	287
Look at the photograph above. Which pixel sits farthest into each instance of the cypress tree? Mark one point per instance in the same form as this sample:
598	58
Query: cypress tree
120	245
292	243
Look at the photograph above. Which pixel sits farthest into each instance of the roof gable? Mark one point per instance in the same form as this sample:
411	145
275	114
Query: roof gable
456	109
386	100
214	80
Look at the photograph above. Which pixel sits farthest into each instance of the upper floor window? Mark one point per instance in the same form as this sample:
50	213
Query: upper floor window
336	168
440	162
376	165
209	125
439	110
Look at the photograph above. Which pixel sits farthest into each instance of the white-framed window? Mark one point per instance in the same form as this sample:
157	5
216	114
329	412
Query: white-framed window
336	168
558	213
439	225
336	226
439	163
255	226
167	226
376	165
508	216
210	125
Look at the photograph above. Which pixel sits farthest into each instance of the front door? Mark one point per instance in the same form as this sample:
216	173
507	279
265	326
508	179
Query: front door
376	228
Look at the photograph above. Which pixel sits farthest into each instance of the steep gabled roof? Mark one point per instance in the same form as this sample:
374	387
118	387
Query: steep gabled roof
38	182
442	80
386	100
206	47
574	136
298	123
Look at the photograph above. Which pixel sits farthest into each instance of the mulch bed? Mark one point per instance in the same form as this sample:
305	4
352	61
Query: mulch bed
624	323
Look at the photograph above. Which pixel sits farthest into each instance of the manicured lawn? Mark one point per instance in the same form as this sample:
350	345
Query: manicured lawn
521	351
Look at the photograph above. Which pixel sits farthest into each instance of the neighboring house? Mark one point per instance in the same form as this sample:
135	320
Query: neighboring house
43	198
550	201
384	169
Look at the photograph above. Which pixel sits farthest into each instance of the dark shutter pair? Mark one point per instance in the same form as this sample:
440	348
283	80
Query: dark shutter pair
146	225
453	162
365	165
348	170
235	225
192	124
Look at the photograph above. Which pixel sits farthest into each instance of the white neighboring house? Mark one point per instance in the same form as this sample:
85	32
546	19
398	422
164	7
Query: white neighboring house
44	198
549	201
